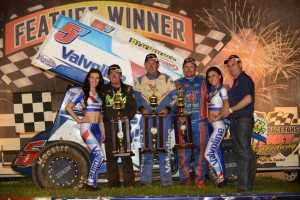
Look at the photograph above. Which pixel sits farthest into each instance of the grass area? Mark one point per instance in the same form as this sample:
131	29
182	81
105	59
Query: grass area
24	187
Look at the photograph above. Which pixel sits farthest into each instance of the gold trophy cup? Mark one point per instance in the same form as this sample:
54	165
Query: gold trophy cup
153	102
182	124
118	104
180	101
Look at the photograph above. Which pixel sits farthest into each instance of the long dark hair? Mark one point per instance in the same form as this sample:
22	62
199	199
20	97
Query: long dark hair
100	88
216	69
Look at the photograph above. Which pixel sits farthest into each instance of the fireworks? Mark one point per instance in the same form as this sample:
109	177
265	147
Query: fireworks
268	54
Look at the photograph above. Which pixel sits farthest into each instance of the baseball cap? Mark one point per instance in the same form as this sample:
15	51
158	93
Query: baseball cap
114	67
189	59
151	56
233	57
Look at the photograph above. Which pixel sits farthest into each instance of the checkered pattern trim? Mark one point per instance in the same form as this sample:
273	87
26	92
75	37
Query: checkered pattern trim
281	119
207	42
33	111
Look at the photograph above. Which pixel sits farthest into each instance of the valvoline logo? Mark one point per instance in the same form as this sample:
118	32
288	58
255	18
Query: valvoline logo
78	59
168	64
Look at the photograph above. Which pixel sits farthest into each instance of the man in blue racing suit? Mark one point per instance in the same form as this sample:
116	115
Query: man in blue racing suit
196	92
165	91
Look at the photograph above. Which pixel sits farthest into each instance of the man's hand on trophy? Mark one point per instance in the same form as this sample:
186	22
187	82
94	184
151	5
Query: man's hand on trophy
144	111
182	119
124	117
164	112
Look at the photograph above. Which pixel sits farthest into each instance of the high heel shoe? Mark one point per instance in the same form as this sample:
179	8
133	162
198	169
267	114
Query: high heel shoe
91	187
222	183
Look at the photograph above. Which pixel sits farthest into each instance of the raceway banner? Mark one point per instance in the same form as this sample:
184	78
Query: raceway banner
71	49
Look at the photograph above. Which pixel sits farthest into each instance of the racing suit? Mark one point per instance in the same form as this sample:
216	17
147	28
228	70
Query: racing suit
196	92
91	134
212	154
165	92
129	111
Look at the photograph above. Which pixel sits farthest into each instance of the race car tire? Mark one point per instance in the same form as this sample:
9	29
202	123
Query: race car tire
62	164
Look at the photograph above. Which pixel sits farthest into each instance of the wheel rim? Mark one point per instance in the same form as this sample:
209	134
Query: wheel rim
63	171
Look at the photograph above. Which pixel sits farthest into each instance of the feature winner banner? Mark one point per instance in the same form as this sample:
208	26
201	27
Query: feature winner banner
71	49
134	47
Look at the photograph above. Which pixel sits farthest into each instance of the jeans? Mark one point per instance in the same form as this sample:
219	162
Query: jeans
164	158
112	161
240	131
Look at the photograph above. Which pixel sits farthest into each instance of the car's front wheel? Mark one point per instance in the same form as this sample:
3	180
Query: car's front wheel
61	164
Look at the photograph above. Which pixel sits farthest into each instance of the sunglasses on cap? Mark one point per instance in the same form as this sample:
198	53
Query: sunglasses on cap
189	59
115	68
151	56
233	57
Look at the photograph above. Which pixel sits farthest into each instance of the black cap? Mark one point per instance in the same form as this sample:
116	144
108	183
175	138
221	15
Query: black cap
114	67
233	57
189	59
151	56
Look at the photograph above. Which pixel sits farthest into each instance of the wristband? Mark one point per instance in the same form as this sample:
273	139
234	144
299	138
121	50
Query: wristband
229	109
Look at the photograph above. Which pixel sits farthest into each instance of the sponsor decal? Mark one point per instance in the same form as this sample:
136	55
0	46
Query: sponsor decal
77	59
150	49
168	64
29	154
214	145
46	60
259	130
283	129
266	150
102	26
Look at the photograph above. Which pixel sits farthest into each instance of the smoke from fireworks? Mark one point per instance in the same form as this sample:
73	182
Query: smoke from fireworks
268	55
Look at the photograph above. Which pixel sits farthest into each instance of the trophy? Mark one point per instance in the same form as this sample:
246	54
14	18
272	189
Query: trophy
118	103
153	99
182	124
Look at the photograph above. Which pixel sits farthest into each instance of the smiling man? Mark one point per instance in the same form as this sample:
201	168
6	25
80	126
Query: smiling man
241	98
115	85
196	92
164	88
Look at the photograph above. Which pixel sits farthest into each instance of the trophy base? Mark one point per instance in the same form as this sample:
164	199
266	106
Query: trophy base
154	151
123	154
184	146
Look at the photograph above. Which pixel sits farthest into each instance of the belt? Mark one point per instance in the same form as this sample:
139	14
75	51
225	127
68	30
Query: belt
236	118
199	120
